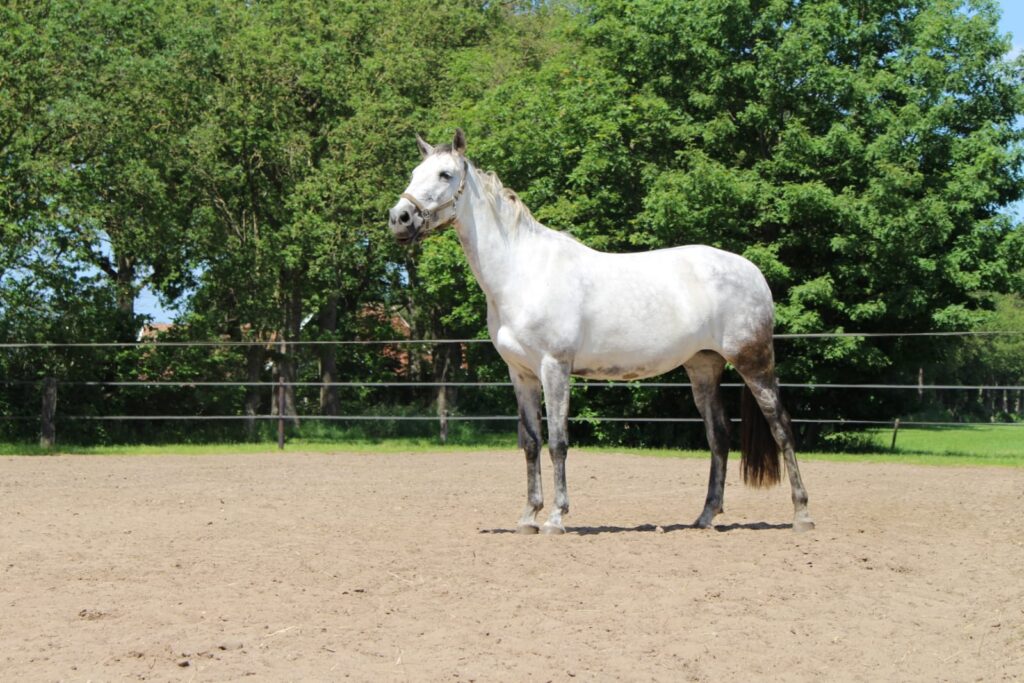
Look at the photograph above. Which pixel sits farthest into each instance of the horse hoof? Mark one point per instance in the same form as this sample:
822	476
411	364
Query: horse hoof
707	516
801	525
553	530
527	529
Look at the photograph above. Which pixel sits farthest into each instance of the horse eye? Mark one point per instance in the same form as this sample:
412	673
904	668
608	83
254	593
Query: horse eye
445	175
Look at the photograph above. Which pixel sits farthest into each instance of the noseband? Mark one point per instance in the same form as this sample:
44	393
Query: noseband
434	219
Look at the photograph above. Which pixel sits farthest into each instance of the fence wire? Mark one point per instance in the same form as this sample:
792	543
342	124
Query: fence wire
575	385
580	385
495	418
415	342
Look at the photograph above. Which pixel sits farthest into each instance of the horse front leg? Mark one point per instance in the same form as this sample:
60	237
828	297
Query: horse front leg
528	393
555	379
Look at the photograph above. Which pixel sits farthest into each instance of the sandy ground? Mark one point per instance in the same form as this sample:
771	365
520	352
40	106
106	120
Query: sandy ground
404	567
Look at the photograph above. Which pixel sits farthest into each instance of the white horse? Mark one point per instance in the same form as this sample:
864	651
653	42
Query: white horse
557	308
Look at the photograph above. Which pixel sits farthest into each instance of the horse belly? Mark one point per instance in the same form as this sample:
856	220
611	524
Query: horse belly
645	350
639	362
642	327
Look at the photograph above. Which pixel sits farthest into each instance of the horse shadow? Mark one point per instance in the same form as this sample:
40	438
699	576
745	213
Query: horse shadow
654	528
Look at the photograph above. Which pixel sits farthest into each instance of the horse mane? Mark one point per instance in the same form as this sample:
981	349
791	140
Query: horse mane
508	208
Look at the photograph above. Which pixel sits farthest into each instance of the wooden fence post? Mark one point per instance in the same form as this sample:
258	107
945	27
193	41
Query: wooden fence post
280	412
442	407
48	428
895	430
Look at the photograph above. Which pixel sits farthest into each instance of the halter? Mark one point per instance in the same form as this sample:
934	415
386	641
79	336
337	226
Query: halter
433	219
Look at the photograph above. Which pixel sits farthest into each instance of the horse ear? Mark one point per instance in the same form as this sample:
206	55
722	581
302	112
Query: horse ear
459	143
425	149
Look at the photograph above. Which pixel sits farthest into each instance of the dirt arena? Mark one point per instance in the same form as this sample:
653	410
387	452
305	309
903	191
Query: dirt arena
403	567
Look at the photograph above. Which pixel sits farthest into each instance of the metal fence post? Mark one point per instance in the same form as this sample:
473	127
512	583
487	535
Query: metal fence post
48	427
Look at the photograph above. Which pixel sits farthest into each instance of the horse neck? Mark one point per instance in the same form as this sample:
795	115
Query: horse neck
488	237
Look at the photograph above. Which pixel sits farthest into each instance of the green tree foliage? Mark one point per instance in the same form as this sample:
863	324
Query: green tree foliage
988	359
861	154
103	99
238	158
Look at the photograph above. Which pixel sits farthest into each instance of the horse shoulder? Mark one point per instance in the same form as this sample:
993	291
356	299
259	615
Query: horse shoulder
540	305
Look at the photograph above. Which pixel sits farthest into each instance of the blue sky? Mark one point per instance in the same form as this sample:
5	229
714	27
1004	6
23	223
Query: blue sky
1012	22
146	303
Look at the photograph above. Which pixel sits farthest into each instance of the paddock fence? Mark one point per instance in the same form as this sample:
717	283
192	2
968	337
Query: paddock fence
50	388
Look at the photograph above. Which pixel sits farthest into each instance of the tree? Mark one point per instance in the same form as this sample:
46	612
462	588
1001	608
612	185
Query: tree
993	357
108	173
862	155
24	87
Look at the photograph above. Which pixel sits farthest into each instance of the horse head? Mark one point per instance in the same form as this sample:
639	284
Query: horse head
430	201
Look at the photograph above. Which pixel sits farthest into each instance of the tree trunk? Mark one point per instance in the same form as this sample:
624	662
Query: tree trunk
124	286
286	366
329	358
285	369
414	366
442	366
447	358
254	357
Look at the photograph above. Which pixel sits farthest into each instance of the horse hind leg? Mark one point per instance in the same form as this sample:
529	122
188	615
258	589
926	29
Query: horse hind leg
705	373
528	397
555	379
764	389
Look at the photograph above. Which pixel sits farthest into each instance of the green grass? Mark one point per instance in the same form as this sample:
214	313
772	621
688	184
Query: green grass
1000	445
995	443
983	446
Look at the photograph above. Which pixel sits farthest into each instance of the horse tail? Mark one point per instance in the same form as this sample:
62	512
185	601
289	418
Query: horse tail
759	466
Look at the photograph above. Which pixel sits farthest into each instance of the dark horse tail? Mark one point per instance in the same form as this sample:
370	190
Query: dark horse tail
759	466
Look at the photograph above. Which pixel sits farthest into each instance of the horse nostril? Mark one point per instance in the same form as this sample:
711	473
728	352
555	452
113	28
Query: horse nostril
404	217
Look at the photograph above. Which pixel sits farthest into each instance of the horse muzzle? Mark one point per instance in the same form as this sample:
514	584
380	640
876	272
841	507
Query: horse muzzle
405	222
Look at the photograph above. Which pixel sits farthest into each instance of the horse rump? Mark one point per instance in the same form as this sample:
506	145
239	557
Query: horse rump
759	466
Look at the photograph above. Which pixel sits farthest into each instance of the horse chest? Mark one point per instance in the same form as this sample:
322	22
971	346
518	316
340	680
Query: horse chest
527	347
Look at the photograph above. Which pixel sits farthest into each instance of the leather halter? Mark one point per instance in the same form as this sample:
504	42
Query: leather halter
433	219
